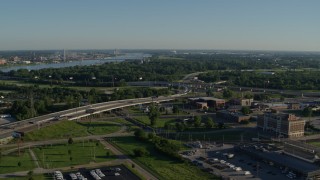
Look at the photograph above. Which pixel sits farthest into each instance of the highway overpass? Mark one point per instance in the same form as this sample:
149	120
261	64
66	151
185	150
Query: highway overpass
6	130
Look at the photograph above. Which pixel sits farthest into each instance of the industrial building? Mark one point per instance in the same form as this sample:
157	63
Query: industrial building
303	169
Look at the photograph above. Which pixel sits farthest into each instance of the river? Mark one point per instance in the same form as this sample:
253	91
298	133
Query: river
77	63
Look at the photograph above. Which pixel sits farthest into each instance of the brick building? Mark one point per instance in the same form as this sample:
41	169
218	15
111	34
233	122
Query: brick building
211	101
294	106
232	116
287	125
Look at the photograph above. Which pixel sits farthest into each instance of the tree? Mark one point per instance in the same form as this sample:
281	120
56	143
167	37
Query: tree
151	135
245	110
248	95
209	92
180	126
307	112
227	93
175	109
70	140
221	125
19	164
197	121
139	152
162	109
209	123
30	174
140	134
153	115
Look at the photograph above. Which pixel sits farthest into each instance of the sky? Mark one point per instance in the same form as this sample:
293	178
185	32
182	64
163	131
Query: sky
291	25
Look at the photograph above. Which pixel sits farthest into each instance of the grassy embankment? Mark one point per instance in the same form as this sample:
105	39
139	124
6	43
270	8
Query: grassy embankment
160	164
66	129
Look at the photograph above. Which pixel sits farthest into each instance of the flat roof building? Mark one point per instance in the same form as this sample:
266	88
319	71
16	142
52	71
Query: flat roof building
211	101
281	124
232	116
305	169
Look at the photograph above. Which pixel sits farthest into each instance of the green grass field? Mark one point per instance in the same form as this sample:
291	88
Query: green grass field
135	110
9	163
121	121
160	122
315	143
99	128
80	152
67	129
34	177
161	164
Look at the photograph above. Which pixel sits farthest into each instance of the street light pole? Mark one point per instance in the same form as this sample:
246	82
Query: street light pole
112	80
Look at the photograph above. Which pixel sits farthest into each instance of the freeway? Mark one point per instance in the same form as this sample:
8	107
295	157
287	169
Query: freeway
6	130
198	86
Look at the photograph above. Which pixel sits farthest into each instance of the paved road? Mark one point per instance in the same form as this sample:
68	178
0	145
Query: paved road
34	158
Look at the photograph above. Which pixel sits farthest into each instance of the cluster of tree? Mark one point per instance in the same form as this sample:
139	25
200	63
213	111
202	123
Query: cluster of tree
33	101
296	80
161	144
197	122
131	92
153	114
159	69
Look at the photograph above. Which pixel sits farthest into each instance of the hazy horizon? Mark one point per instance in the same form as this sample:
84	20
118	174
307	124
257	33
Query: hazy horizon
250	25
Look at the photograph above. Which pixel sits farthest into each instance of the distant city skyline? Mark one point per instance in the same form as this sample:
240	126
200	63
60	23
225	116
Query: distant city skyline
282	25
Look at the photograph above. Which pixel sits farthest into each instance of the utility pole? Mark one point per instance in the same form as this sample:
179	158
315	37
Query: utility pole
112	80
19	145
94	153
43	157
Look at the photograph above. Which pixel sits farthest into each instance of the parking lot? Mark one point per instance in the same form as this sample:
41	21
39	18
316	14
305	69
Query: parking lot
257	169
215	159
109	172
